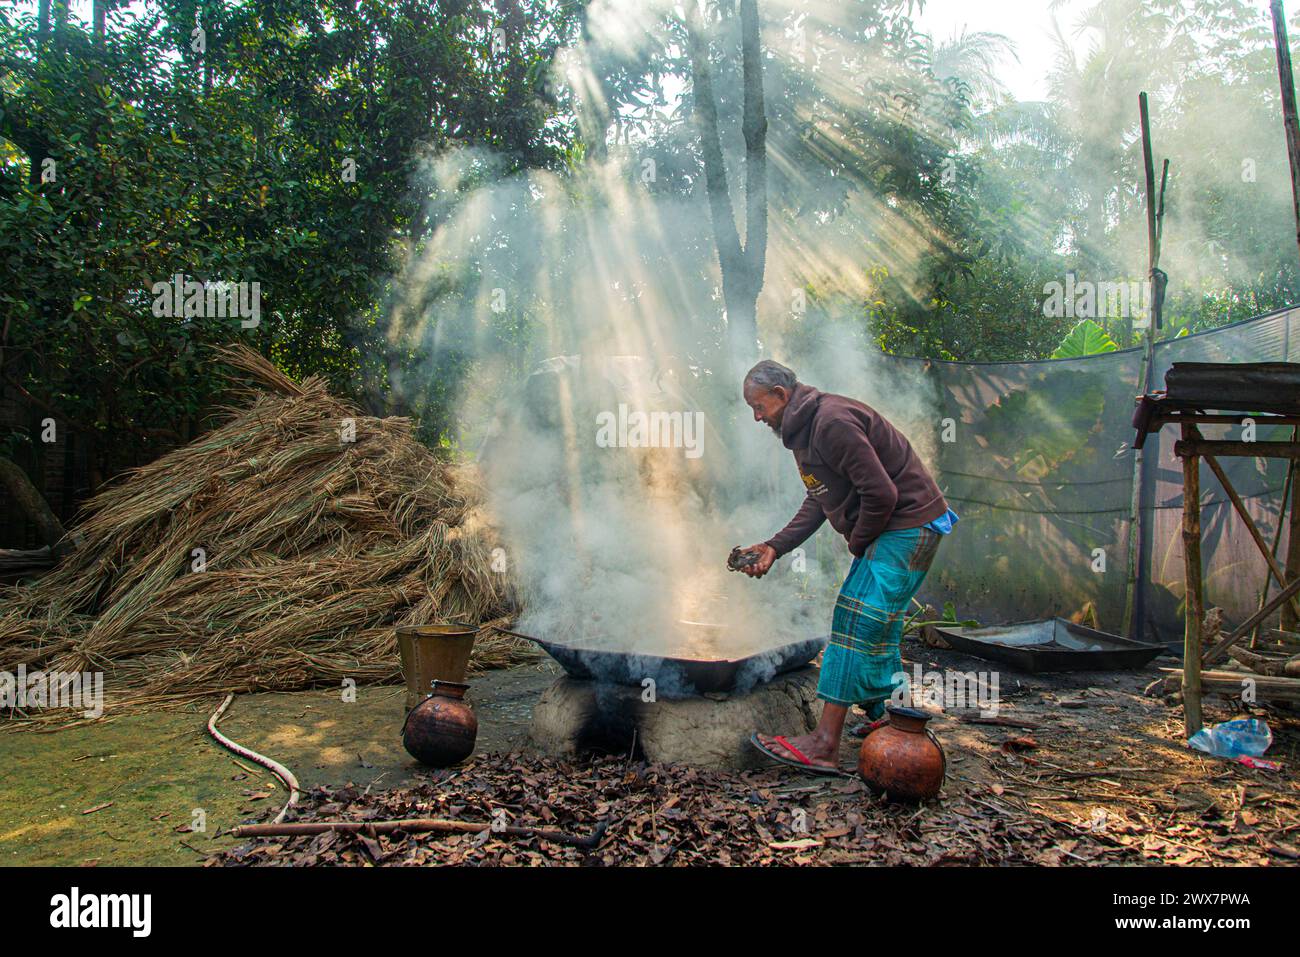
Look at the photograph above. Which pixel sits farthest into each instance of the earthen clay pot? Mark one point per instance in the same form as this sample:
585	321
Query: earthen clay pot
903	759
440	730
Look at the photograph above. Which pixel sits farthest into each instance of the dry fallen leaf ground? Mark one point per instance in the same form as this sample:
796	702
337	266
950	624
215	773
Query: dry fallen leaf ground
1106	780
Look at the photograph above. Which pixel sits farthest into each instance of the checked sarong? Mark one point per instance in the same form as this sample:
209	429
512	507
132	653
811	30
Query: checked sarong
862	662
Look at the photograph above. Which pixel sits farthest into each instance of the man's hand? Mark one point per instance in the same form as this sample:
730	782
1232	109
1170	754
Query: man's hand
766	556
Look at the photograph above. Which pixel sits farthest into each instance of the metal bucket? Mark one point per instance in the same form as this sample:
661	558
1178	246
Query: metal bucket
433	653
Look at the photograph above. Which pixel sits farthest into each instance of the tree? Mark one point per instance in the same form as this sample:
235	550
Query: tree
742	267
274	142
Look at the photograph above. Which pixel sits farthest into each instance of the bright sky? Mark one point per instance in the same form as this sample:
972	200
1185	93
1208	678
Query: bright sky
1028	24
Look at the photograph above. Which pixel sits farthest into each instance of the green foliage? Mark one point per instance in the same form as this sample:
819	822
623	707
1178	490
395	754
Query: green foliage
1065	176
1036	433
233	164
1085	339
228	165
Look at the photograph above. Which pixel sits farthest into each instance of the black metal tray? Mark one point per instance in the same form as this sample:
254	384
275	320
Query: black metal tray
679	677
1051	645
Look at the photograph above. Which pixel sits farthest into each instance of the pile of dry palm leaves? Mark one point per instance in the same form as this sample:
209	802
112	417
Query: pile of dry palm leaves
277	552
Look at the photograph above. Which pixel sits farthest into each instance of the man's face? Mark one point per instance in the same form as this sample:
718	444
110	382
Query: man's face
768	405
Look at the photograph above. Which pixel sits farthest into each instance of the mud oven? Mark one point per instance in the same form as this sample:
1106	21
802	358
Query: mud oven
690	710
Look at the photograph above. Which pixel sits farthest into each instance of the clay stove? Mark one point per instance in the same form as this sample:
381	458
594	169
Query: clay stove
674	709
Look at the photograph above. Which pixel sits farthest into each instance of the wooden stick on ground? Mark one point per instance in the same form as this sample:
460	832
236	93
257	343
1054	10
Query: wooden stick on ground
1285	639
999	720
1231	682
1264	665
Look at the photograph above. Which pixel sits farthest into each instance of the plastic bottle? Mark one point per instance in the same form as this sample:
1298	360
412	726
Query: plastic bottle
1235	738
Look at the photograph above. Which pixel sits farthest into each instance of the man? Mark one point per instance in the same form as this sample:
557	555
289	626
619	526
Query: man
861	475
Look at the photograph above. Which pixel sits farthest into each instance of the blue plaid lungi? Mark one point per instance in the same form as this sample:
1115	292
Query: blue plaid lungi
862	664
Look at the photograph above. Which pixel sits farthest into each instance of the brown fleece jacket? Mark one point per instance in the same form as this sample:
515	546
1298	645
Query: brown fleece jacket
861	473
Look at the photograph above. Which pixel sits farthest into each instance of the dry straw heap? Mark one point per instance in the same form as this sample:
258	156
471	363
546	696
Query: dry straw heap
315	548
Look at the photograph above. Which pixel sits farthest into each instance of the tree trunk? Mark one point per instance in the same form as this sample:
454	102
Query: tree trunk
60	24
741	267
42	24
32	503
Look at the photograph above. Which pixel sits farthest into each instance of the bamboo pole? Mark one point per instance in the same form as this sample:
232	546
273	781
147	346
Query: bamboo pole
1148	167
1134	605
1287	83
1192	577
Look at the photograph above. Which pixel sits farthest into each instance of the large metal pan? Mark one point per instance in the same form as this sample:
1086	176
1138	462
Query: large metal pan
1052	645
679	677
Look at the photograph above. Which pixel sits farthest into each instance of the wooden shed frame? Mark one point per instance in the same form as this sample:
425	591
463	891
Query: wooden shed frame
1191	448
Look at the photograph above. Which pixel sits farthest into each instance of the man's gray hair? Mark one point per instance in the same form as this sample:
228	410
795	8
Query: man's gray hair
767	375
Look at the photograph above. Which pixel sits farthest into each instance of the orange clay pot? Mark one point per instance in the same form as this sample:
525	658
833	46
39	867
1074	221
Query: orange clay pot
903	759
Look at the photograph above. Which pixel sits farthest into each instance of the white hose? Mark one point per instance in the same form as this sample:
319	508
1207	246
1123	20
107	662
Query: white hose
275	767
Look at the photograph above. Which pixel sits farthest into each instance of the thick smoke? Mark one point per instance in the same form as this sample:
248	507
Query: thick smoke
582	304
620	473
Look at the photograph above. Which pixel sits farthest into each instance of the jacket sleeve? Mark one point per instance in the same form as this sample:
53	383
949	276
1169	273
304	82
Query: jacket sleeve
851	453
807	520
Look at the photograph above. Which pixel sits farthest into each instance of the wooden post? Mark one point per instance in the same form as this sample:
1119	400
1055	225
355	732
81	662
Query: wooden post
1287	83
1289	121
1193	599
1134	597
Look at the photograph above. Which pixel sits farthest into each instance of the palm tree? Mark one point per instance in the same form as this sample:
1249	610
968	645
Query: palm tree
973	59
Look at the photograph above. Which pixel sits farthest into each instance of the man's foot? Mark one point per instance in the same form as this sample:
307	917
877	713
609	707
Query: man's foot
807	749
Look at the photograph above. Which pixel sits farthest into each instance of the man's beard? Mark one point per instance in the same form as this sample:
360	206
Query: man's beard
776	428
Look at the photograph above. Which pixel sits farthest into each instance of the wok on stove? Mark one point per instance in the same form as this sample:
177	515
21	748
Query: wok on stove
679	676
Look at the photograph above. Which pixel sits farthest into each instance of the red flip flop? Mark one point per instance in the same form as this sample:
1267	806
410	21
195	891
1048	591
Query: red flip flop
866	727
800	762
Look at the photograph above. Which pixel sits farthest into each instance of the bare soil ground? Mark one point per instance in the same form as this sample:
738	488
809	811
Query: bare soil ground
154	770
